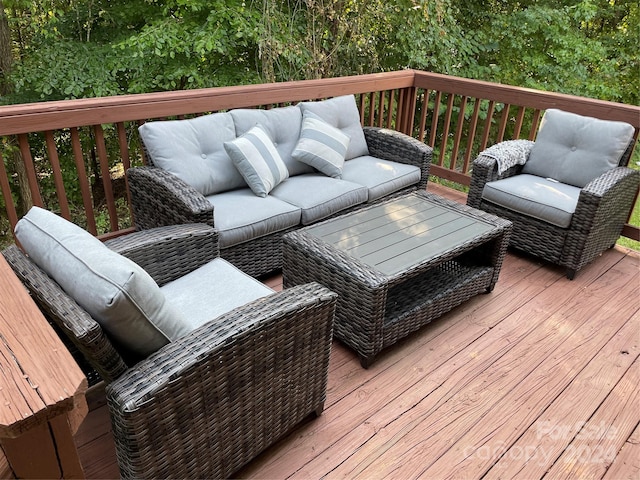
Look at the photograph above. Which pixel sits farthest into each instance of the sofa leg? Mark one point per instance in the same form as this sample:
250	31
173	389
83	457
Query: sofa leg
365	362
319	409
571	273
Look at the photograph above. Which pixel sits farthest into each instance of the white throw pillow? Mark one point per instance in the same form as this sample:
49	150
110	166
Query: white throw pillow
322	146
256	158
116	292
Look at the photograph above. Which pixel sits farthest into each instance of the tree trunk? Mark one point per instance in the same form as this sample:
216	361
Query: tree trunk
12	154
6	57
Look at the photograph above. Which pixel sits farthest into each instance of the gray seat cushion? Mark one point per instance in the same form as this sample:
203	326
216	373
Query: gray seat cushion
319	196
212	290
193	150
341	112
283	126
537	197
116	292
381	177
240	215
575	149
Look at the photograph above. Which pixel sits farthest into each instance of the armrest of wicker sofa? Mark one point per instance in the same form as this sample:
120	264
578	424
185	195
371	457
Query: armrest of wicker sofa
227	390
398	147
160	198
170	252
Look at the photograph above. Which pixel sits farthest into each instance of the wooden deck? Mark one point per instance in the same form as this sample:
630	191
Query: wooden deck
539	379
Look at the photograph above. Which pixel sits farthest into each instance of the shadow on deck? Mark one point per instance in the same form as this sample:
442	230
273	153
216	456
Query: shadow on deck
538	378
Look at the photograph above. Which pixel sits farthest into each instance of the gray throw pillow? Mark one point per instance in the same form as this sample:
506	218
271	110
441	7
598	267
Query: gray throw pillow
116	292
574	149
342	113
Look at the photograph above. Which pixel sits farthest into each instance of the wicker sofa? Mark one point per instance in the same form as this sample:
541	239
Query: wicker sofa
206	403
194	174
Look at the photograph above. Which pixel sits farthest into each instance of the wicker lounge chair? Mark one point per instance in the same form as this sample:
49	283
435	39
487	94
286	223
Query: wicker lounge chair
566	209
207	403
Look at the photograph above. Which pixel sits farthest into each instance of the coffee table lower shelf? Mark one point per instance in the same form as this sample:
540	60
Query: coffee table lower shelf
420	300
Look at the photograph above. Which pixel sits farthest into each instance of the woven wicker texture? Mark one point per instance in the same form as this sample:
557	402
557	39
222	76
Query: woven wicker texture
603	208
205	405
376	310
159	198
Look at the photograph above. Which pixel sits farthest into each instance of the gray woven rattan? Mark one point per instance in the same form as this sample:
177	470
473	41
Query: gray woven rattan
375	310
206	404
159	198
603	209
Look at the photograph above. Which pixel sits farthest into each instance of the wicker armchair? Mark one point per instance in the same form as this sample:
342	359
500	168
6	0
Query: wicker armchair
600	209
206	404
160	198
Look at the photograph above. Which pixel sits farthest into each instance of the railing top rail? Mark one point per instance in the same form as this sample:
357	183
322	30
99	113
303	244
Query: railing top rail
527	97
35	117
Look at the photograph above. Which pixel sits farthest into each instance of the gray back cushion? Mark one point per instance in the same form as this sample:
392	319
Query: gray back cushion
283	126
116	292
575	149
341	112
193	150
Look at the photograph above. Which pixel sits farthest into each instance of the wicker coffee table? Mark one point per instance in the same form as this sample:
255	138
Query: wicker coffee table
397	265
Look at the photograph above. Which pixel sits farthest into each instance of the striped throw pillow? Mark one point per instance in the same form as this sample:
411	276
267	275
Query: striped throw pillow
256	158
321	145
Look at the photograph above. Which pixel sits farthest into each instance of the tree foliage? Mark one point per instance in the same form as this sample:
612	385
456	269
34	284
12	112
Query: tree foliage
586	48
87	48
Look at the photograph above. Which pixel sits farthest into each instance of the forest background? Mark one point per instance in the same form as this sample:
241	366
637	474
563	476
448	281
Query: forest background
64	49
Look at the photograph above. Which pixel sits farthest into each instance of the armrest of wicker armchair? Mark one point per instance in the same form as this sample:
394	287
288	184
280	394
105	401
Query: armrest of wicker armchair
396	146
607	199
160	198
206	404
170	252
602	210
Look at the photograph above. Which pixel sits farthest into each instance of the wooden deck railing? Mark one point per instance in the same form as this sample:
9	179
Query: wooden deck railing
70	156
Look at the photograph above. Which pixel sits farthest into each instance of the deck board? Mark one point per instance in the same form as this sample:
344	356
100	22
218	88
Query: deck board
468	406
478	392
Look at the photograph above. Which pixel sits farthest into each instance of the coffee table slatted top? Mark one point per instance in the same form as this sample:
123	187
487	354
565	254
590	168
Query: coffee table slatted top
399	234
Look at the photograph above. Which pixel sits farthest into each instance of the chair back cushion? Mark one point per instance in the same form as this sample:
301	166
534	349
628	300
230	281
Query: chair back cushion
193	150
342	113
283	126
574	149
116	292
